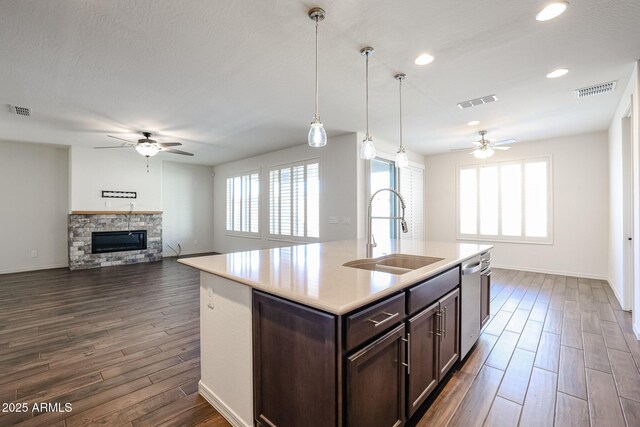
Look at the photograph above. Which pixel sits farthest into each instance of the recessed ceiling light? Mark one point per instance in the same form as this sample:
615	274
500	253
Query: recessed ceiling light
557	73
474	122
424	59
551	11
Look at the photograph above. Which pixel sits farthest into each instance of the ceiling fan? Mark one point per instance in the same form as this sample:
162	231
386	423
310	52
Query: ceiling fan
485	148
149	147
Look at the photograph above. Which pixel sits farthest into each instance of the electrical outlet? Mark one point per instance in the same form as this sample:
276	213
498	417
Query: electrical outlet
34	254
195	243
107	204
333	220
210	298
346	220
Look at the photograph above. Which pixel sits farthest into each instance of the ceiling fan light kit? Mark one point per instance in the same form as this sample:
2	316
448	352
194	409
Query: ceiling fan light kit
317	135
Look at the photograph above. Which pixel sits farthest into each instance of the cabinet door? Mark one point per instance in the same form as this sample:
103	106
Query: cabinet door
449	350
294	364
422	362
375	382
485	298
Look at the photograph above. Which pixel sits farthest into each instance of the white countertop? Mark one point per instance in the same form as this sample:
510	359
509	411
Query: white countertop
313	274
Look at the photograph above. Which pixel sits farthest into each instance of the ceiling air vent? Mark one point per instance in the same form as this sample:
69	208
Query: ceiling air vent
21	111
477	101
598	89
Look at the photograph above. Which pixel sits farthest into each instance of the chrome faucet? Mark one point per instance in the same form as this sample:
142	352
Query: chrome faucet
371	241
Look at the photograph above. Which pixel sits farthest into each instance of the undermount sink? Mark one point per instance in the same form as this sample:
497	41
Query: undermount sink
394	264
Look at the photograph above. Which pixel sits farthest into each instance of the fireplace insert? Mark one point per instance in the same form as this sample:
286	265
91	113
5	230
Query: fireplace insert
116	241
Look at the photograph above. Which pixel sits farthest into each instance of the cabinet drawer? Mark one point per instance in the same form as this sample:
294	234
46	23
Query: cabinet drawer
427	292
374	320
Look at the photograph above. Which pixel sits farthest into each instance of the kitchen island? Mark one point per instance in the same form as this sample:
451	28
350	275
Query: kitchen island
286	333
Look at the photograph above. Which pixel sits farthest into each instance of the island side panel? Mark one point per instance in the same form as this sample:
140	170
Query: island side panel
226	348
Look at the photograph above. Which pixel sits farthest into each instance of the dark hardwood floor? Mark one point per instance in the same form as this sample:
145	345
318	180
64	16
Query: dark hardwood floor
121	345
558	351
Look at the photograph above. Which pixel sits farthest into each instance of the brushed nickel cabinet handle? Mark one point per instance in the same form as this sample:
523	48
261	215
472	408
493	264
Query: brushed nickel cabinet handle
377	323
408	353
444	323
438	322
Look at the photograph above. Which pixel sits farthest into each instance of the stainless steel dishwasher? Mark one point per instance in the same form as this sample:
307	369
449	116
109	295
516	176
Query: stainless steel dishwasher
470	302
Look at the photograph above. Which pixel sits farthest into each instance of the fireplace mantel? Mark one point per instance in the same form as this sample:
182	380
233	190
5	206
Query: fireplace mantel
115	212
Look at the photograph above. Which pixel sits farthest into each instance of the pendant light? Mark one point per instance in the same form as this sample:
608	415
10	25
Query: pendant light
317	135
367	149
402	161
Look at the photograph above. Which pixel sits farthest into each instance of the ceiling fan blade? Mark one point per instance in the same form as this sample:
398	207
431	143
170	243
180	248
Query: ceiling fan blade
500	148
459	149
117	146
505	142
169	144
115	137
174	151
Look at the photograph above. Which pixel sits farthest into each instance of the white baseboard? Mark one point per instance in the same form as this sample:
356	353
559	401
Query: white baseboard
618	297
219	406
44	267
547	271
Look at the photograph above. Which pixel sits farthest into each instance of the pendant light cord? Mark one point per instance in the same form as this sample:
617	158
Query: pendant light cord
367	90
317	118
401	146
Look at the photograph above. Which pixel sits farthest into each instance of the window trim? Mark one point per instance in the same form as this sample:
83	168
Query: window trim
508	239
249	234
291	238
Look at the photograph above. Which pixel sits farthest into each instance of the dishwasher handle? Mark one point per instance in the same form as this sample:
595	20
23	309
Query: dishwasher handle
471	268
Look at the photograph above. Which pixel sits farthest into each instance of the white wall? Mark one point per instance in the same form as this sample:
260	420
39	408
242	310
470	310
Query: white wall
92	171
33	213
622	224
183	192
580	200
187	201
337	192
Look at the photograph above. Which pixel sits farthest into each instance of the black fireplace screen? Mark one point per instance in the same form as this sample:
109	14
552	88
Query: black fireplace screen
116	241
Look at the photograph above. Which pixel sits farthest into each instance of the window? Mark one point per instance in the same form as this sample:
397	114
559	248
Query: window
294	201
412	190
505	201
243	197
409	182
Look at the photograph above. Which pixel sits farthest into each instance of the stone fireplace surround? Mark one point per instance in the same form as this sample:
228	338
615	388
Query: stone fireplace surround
83	223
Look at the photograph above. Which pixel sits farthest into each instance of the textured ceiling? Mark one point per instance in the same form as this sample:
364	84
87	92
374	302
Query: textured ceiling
233	79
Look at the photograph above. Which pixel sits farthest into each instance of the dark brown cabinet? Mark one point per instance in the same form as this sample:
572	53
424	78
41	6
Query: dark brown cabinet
294	364
374	366
375	382
422	360
449	339
433	347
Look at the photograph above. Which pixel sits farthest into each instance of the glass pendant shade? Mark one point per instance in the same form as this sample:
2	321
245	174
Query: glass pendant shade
402	161
367	149
147	150
317	134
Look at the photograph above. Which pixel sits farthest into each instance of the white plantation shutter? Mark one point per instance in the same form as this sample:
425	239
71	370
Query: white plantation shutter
243	202
412	190
294	201
505	201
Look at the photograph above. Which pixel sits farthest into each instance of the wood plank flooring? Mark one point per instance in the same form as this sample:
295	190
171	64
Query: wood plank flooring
122	346
558	351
